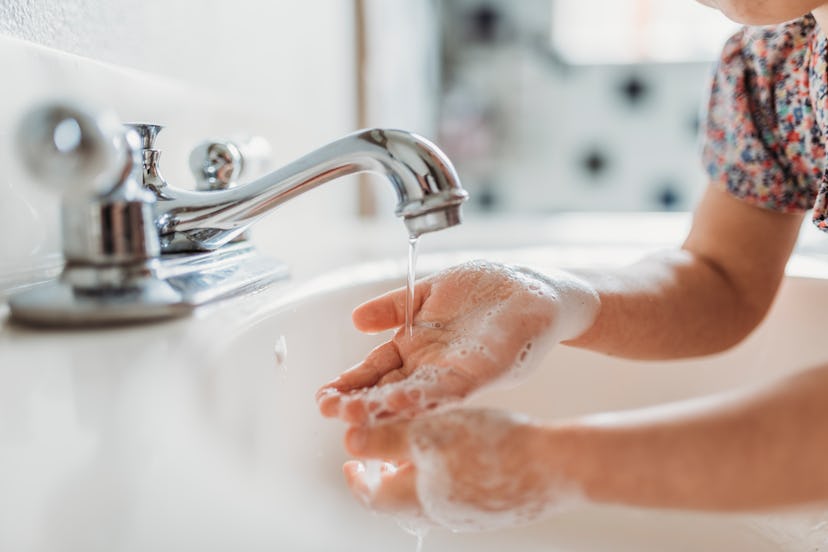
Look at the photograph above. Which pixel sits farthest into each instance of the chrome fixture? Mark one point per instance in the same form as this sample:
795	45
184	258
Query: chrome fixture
137	248
428	190
219	164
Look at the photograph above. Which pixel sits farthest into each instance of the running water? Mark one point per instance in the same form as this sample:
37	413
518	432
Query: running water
409	296
373	467
416	527
420	538
373	479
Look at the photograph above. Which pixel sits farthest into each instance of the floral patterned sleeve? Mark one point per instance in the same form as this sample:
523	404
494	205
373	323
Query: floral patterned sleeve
761	139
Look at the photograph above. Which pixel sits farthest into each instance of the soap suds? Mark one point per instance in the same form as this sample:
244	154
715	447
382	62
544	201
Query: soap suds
465	477
403	398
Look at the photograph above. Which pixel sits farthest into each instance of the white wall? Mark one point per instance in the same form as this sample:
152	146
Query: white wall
281	69
402	73
275	55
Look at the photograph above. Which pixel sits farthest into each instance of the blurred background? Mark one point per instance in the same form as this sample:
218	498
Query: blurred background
545	106
551	105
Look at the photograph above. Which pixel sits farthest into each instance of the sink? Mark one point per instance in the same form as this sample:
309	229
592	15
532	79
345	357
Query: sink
204	435
261	390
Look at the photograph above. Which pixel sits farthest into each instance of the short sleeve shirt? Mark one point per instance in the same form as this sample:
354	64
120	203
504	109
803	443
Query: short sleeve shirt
764	138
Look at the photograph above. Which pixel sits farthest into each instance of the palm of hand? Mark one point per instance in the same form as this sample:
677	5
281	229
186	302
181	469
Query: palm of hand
462	469
473	325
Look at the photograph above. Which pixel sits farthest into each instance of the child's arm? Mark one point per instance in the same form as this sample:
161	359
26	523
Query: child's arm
753	450
480	322
703	298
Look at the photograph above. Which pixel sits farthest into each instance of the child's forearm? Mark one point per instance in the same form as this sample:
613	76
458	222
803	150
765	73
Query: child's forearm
753	450
672	305
701	299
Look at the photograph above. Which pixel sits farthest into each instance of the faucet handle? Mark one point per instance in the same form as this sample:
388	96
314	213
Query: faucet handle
148	133
219	164
73	148
110	241
107	216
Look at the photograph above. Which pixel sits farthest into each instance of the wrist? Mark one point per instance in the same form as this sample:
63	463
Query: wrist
579	306
575	301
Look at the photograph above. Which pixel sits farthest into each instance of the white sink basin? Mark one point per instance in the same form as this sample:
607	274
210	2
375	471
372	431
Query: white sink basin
264	406
182	437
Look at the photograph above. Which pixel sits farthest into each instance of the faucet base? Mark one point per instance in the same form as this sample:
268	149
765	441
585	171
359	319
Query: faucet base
58	303
174	287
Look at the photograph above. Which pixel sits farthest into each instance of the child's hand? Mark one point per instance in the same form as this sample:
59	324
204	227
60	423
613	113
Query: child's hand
474	324
462	469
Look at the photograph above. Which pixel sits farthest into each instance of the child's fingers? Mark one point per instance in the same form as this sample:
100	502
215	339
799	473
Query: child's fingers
419	393
388	441
370	371
404	397
395	492
388	311
355	409
379	363
328	399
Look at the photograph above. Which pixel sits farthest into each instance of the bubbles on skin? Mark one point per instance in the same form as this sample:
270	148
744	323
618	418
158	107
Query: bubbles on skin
499	298
528	357
327	392
371	472
488	493
506	319
381	401
372	476
525	352
571	303
503	319
487	300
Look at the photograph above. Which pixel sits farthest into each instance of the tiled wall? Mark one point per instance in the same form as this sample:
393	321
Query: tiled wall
533	133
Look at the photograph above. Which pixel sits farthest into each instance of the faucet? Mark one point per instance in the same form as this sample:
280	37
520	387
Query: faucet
427	188
137	248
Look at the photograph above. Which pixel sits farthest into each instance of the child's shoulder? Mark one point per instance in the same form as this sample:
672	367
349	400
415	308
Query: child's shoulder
767	46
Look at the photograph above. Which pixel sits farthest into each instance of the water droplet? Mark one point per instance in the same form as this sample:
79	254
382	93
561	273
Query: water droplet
280	354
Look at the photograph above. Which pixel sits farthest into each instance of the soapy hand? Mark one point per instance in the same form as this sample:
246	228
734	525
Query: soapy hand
462	469
474	324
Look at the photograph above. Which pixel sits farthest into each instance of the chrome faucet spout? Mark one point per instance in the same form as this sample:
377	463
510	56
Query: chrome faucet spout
139	249
428	190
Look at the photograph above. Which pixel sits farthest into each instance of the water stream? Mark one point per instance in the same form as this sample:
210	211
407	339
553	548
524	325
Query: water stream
409	296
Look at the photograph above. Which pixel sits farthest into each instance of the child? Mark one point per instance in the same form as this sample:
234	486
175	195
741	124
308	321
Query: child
477	323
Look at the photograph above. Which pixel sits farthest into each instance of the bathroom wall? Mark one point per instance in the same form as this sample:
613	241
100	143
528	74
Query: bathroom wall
533	129
401	73
283	70
271	56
